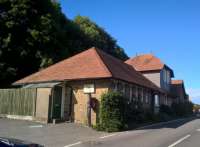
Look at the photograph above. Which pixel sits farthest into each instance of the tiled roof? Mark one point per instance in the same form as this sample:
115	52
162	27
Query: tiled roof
177	86
90	64
147	62
84	65
177	82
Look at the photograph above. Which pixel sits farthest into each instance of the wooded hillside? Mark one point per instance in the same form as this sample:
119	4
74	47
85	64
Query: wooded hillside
36	34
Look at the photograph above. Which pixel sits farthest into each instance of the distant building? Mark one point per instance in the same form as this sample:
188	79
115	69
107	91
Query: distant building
161	75
178	89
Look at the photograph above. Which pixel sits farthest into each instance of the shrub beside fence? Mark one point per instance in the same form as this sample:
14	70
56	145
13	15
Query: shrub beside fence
18	101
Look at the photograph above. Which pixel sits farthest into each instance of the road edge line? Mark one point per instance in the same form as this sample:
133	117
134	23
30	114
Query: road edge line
179	141
107	136
162	123
73	144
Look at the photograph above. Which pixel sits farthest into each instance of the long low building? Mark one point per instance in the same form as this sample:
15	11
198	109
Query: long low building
64	89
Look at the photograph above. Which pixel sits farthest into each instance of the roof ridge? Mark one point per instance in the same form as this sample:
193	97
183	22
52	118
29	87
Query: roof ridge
101	56
50	66
97	51
127	66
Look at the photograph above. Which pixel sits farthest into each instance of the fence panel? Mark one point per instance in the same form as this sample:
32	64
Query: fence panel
18	101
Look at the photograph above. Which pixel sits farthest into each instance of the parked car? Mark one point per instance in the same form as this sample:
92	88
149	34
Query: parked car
11	142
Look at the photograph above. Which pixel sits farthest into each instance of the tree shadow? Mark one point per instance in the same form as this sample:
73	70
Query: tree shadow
160	125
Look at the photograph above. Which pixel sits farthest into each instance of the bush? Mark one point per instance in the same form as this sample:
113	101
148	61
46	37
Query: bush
116	113
112	112
167	110
164	117
136	113
183	109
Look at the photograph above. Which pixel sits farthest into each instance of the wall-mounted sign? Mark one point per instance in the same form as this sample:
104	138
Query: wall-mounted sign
88	88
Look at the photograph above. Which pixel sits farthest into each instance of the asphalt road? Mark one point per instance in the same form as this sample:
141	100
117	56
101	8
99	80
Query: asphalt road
49	135
182	133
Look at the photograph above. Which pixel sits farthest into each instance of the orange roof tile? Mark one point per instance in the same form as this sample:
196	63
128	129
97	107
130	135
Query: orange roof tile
90	64
85	65
177	82
147	62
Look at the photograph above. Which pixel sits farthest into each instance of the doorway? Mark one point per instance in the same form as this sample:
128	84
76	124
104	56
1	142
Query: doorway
57	101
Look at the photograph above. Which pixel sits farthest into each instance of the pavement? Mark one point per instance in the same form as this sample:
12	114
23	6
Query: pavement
58	135
179	133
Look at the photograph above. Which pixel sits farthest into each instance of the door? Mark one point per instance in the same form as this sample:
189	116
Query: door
68	103
57	100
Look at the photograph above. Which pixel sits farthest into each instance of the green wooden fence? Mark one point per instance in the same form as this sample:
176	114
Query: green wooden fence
18	101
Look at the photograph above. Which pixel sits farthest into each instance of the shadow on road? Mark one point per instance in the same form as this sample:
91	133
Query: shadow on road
174	124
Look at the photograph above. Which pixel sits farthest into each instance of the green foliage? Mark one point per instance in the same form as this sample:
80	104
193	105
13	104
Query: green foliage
182	109
116	113
196	108
35	34
135	112
176	110
167	110
98	37
29	33
112	110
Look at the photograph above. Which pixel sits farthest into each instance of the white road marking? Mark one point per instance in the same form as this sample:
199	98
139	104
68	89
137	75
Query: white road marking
36	126
198	130
179	141
108	136
77	143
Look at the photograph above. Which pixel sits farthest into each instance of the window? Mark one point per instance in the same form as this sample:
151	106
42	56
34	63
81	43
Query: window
150	97
127	91
168	77
146	97
156	100
113	86
134	93
140	95
166	101
164	76
120	87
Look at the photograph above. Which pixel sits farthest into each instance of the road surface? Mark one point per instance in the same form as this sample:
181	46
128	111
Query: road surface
182	133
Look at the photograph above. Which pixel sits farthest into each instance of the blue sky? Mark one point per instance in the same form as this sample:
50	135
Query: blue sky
168	28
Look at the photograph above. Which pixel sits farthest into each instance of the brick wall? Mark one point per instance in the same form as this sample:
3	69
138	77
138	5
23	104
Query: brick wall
79	100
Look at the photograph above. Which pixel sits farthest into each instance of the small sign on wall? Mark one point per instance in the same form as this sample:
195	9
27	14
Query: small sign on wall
88	88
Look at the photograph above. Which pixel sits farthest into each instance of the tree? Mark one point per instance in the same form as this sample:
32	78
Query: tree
98	37
29	37
36	34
